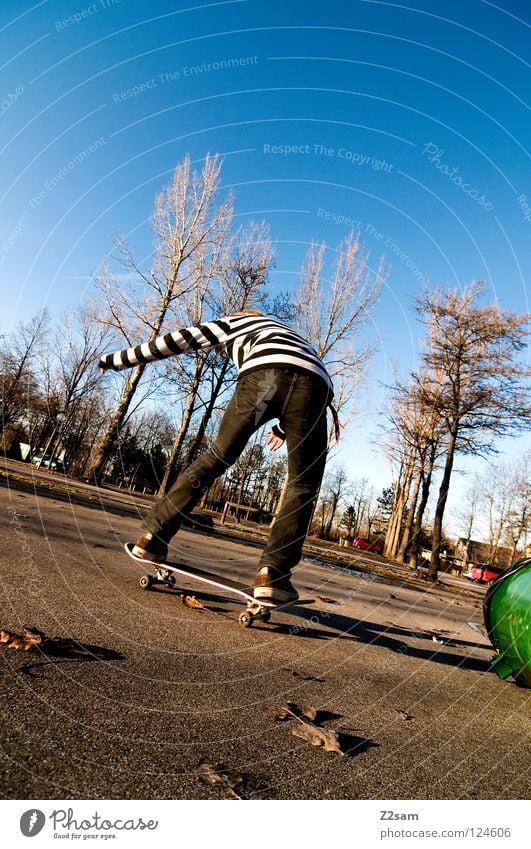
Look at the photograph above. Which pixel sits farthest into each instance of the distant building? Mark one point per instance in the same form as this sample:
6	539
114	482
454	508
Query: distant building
471	551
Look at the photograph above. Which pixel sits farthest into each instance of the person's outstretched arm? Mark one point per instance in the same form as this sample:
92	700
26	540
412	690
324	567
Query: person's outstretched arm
183	341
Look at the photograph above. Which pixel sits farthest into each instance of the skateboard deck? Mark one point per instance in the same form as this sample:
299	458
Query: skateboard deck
165	574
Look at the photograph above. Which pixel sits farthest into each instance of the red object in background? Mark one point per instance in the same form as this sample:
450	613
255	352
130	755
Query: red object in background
484	573
365	545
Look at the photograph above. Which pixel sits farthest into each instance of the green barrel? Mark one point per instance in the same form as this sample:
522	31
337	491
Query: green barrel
507	612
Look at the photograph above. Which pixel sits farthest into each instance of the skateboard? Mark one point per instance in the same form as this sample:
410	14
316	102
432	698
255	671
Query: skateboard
255	608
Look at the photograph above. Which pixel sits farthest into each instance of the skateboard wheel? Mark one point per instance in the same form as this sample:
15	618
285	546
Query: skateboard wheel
266	615
146	582
171	580
245	619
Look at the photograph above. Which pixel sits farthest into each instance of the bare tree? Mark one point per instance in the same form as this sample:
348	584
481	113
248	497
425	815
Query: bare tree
403	461
424	432
139	454
384	509
71	389
273	487
504	494
336	486
412	444
519	524
237	281
358	517
331	313
19	379
468	513
471	378
190	225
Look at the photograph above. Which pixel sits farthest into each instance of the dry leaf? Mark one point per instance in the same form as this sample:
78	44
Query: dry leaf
309	711
34	637
22	642
217	773
327	740
327	600
17	643
292	710
403	714
283	714
192	601
30	641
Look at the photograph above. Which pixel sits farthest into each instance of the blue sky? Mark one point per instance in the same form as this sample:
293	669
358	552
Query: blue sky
408	121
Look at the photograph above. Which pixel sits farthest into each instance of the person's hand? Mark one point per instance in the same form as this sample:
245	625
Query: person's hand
98	364
274	442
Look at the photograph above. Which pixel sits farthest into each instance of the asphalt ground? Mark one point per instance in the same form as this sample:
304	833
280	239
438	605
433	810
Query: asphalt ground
149	687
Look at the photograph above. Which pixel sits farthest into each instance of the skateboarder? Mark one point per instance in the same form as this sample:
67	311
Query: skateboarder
280	376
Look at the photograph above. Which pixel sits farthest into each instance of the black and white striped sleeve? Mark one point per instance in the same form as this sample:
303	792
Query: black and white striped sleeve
182	341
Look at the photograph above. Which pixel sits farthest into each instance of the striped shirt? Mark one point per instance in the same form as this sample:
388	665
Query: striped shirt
252	342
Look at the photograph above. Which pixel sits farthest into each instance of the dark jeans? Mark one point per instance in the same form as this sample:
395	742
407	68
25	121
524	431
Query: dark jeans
299	401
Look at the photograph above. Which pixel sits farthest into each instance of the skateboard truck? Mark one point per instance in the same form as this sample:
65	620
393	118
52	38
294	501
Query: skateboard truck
255	610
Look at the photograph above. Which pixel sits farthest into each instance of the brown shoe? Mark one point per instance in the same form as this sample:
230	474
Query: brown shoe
270	585
150	547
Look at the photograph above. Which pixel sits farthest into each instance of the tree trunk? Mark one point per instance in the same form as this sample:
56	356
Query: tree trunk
207	415
333	511
414	548
435	562
172	466
103	446
281	499
408	527
397	514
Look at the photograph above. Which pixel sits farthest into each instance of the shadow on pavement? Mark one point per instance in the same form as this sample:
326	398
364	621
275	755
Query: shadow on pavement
353	745
383	636
391	637
71	652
